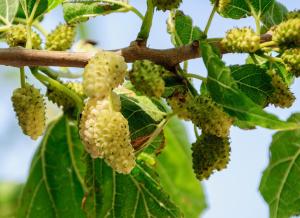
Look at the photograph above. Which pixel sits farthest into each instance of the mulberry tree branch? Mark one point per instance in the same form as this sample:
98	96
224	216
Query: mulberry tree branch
20	57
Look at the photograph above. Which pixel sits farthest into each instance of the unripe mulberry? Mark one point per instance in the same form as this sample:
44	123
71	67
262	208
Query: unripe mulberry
17	36
282	95
179	102
222	5
104	72
29	106
166	4
209	116
210	153
105	134
291	58
147	78
61	38
293	14
288	33
241	40
76	87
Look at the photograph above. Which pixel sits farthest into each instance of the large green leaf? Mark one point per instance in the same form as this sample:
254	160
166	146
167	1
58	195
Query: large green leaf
280	185
237	9
8	10
82	10
253	81
174	167
33	6
182	30
225	92
274	15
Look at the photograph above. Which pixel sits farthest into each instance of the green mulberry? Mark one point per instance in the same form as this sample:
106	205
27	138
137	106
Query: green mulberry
61	38
105	134
147	78
179	102
29	106
291	58
167	4
282	95
76	87
17	36
288	33
104	72
222	4
241	40
210	153
209	116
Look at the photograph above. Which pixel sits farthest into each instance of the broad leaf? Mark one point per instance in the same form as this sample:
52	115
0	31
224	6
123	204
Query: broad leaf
237	9
174	166
225	92
8	10
33	6
82	10
182	30
280	185
253	81
274	15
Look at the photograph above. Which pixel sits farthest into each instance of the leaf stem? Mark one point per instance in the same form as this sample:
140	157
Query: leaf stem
147	22
211	16
29	24
268	44
254	58
195	76
22	77
44	79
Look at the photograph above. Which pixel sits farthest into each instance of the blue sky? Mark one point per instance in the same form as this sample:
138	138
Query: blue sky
232	193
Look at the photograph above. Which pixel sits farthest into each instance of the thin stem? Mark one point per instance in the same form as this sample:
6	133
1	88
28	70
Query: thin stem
29	24
272	59
127	6
254	58
211	16
195	76
196	132
136	11
59	86
256	17
4	28
268	44
37	25
22	77
147	22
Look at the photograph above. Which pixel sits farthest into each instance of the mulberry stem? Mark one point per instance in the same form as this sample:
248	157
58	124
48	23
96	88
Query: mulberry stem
211	16
147	22
22	77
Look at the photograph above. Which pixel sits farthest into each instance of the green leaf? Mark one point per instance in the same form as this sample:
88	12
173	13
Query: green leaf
174	167
9	195
274	15
225	92
253	81
8	10
237	9
280	185
55	186
36	7
182	30
82	10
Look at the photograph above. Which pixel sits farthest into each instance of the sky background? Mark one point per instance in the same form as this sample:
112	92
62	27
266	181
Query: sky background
232	193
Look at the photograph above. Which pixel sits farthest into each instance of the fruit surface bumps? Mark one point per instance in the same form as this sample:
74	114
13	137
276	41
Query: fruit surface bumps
104	72
287	34
29	106
209	116
61	38
210	153
167	4
282	95
17	36
147	78
222	5
179	102
241	40
291	58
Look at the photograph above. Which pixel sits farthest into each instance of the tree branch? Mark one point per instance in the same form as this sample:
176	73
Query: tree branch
20	57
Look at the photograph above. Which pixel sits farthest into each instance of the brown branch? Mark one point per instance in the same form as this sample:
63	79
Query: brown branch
19	57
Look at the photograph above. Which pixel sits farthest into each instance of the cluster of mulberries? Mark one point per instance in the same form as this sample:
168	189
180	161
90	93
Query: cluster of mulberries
209	116
282	95
222	5
241	40
17	36
61	38
288	33
104	72
147	78
167	4
179	102
210	153
29	106
291	58
105	133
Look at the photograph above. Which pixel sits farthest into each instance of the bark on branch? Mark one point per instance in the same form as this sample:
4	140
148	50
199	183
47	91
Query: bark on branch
19	57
